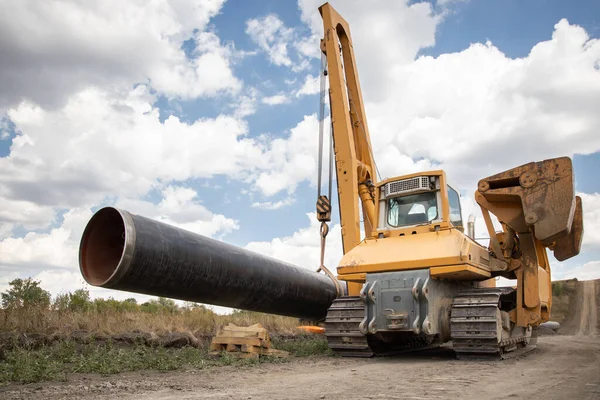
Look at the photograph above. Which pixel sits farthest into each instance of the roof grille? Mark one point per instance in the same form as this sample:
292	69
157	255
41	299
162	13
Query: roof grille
407	185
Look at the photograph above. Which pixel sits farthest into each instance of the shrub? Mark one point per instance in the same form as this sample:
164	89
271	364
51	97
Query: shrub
25	293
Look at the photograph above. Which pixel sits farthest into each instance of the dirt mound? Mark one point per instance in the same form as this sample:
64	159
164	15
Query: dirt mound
577	308
9	340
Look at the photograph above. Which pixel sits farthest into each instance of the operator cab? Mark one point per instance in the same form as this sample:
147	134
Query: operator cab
417	200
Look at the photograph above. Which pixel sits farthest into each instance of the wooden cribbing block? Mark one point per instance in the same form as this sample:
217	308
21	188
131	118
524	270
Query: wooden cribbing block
248	342
255	330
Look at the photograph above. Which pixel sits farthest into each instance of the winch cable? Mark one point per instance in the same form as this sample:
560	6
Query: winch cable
324	202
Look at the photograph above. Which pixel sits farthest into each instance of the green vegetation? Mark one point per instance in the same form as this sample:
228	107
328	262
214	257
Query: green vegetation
25	293
562	296
557	288
566	287
303	346
27	309
54	362
46	339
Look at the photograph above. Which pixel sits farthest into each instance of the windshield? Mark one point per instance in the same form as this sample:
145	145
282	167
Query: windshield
412	210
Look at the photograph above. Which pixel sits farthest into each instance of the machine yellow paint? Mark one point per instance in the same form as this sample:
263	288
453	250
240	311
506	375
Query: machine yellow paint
356	173
441	246
355	165
412	251
460	272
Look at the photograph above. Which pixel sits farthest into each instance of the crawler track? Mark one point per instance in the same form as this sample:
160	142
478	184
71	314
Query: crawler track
341	328
476	327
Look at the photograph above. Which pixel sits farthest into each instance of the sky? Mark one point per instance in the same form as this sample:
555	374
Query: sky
203	114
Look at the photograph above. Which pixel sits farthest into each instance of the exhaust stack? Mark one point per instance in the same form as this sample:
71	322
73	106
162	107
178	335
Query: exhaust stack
471	227
124	251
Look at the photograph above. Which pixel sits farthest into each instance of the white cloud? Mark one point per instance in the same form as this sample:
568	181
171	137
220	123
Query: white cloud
245	104
28	214
310	86
5	127
276	99
207	74
385	34
75	142
308	46
302	248
52	49
274	205
272	36
591	219
449	2
291	160
459	111
587	271
36	251
479	112
180	207
100	145
5	278
279	42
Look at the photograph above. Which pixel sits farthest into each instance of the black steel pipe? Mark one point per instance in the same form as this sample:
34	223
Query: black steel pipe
124	251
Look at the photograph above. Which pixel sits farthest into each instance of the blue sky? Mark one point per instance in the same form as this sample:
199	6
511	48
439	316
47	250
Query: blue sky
513	26
437	94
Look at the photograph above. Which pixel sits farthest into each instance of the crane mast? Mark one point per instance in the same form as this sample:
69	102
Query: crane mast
355	166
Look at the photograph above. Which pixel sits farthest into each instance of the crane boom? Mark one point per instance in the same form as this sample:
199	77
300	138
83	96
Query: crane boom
355	166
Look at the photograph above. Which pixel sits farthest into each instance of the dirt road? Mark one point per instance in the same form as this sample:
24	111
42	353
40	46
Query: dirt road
561	367
588	323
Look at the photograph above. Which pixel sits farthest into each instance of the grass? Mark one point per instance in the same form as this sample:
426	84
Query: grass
74	334
198	321
56	361
303	346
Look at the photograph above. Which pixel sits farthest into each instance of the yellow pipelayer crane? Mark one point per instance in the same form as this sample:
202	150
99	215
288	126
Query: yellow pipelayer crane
417	280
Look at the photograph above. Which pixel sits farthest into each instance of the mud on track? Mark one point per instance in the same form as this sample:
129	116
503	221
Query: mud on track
561	367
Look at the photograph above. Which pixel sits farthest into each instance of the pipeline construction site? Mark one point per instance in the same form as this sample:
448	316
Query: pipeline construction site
564	365
418	306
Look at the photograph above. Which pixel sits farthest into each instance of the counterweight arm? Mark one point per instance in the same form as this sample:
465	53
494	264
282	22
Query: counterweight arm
538	209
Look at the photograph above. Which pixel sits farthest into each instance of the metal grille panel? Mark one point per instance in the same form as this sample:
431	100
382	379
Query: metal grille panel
407	185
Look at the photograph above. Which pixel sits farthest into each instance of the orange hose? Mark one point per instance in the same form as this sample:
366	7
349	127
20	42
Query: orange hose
312	329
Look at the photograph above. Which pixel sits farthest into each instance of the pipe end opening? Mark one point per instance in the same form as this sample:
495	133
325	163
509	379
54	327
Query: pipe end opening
102	246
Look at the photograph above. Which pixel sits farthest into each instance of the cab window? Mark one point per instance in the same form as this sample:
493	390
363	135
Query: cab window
413	209
455	212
